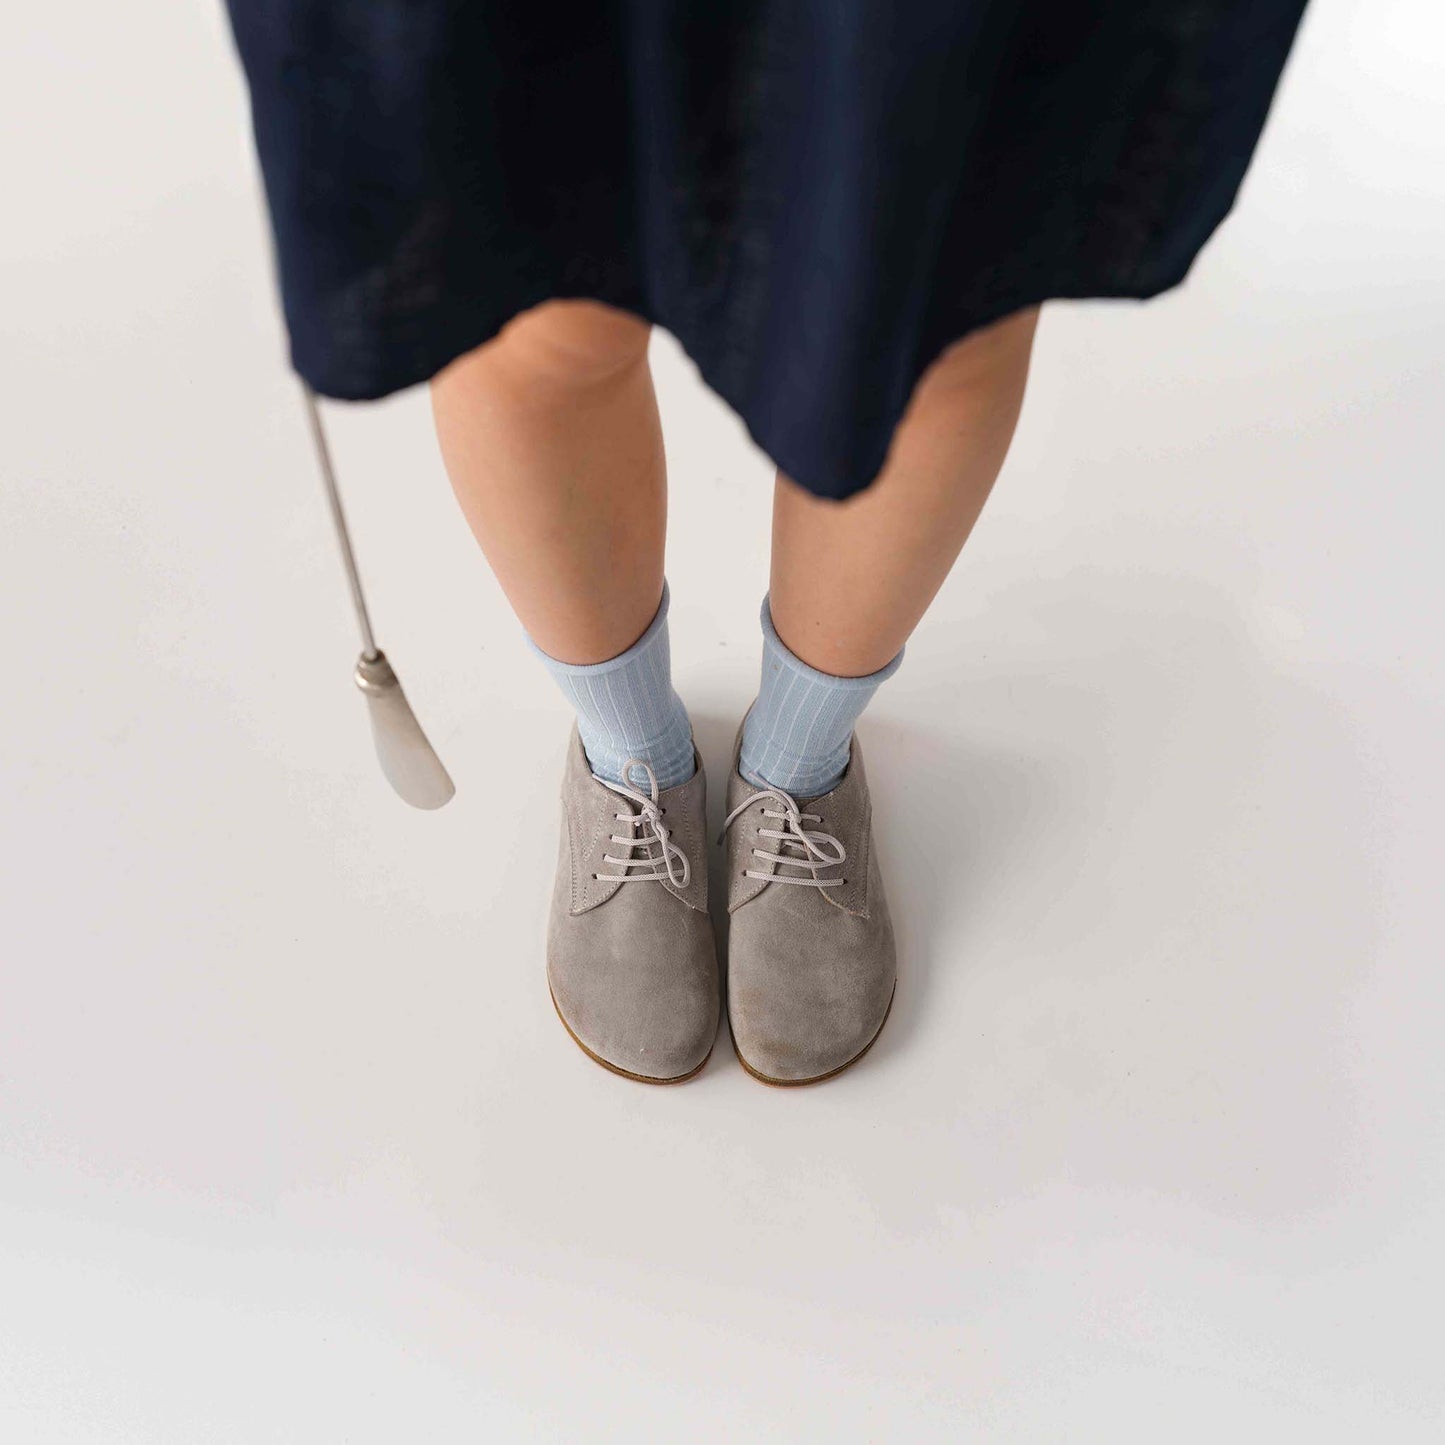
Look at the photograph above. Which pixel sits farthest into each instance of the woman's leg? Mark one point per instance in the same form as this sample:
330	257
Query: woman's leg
851	580
812	961
551	438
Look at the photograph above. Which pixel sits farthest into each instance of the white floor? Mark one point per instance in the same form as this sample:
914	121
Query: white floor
292	1147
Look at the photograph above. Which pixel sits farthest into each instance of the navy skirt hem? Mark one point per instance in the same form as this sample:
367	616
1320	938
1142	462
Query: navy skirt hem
468	327
815	197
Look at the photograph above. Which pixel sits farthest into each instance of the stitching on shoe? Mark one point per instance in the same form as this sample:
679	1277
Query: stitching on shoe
865	849
685	834
586	861
742	850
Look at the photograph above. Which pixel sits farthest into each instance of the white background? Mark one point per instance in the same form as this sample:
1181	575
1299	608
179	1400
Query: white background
292	1147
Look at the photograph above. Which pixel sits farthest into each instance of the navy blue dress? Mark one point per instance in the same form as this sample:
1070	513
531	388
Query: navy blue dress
814	196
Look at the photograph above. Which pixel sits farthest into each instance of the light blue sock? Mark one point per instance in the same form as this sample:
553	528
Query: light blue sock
798	734
626	708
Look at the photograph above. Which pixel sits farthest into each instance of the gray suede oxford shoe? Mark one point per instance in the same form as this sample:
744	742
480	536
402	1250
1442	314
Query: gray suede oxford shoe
631	961
811	960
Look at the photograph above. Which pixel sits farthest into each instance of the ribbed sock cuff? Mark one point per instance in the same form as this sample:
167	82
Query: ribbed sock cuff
627	707
799	732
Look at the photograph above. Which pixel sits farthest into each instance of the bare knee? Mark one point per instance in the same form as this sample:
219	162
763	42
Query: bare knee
571	344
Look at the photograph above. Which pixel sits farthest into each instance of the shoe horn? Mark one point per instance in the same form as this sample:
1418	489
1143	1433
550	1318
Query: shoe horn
409	761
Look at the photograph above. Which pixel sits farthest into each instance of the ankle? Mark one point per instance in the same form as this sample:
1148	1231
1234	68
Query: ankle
627	708
798	734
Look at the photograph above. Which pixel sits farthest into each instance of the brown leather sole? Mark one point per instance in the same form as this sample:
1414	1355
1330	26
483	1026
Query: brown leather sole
626	1073
816	1078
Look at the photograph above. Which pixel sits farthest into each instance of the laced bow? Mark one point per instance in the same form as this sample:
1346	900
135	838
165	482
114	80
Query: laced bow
644	826
811	849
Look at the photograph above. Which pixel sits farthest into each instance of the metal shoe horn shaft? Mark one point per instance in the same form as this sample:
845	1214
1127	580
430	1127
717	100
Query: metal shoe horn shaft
409	761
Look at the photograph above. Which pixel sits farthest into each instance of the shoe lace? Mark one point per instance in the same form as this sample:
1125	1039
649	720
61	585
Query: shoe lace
807	848
644	826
